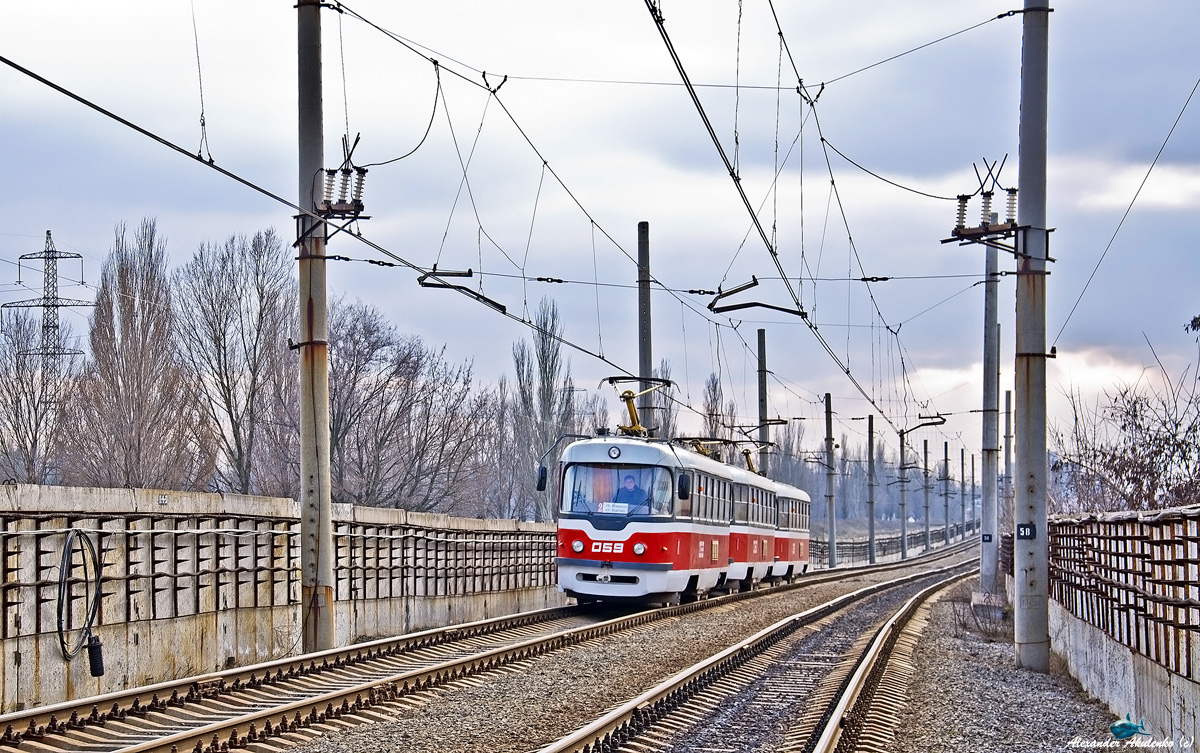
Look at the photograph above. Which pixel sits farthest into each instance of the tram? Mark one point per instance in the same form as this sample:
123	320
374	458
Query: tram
657	521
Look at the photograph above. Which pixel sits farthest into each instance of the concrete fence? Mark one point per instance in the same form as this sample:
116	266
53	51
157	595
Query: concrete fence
175	584
1126	613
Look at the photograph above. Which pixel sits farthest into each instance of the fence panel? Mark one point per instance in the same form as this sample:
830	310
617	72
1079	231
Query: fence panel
1134	576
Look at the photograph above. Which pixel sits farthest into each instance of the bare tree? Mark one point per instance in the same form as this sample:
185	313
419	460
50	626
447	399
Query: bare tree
404	423
235	302
1137	449
502	453
134	416
714	398
590	413
719	417
665	408
276	458
545	396
32	385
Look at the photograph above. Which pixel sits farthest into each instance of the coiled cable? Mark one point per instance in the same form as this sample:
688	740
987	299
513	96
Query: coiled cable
91	593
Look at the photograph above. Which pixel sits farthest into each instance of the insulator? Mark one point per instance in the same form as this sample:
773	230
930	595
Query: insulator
329	176
1012	206
344	186
360	177
987	208
961	221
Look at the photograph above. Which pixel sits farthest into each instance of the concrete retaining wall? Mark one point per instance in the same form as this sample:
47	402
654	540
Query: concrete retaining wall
1128	682
192	583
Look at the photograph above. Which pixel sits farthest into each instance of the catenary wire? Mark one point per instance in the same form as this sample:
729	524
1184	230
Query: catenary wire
400	261
412	46
921	47
656	14
1128	209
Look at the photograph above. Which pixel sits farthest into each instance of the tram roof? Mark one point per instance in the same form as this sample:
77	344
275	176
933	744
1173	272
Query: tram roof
641	450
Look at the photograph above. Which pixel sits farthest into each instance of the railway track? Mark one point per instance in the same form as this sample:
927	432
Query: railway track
863	718
286	701
799	686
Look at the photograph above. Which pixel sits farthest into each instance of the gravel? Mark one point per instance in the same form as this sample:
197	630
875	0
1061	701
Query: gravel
967	696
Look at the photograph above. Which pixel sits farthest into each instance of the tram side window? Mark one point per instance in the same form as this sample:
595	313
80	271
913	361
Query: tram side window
685	505
741	503
708	497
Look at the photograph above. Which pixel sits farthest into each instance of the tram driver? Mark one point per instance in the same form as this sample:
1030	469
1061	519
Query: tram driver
631	494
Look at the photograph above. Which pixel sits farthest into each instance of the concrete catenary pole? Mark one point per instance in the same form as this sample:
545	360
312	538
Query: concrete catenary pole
903	501
829	481
764	432
974	517
962	488
871	488
1008	469
1031	614
945	492
316	513
645	351
989	555
925	488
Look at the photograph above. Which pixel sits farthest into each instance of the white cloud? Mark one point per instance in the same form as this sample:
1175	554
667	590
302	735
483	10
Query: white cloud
1098	184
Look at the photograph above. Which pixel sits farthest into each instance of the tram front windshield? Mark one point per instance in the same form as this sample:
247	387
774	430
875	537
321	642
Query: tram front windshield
609	489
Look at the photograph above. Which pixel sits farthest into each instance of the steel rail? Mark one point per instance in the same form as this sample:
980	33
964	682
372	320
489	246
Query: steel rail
856	697
624	722
69	714
42	726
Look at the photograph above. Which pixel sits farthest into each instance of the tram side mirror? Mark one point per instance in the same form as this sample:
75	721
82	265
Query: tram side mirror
541	478
685	486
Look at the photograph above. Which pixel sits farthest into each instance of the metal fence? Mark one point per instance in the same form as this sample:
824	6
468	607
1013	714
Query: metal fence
859	550
1135	576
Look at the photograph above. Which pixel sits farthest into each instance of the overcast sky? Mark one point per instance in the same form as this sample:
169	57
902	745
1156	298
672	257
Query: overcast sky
592	133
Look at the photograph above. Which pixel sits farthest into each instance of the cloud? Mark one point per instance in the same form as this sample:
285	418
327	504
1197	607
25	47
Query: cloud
1097	184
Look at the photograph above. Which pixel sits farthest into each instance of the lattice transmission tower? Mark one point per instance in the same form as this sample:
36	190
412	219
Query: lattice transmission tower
52	347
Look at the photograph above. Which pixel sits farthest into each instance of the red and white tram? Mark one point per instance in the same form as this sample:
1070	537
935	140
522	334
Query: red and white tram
654	521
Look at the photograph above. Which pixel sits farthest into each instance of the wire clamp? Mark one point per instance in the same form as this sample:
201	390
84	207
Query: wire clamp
298	346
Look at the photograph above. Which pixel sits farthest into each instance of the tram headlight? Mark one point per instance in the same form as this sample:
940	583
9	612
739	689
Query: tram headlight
639	548
577	546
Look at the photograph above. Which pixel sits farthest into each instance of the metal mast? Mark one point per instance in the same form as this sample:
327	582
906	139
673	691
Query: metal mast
52	346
